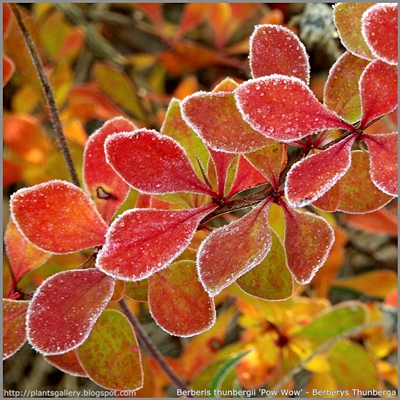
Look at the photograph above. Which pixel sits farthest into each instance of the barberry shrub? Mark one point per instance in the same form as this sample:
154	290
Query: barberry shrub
266	145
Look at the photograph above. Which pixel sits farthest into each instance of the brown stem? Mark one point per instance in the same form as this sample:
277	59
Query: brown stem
48	96
146	342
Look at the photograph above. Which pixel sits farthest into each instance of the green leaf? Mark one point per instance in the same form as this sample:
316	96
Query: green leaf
14	331
175	127
178	301
224	370
334	322
353	367
341	91
119	87
111	355
270	280
357	192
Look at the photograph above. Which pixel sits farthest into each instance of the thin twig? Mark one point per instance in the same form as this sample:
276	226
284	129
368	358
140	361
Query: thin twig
323	347
146	342
48	96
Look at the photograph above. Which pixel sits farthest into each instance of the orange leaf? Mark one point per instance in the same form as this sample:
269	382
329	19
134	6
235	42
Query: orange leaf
58	217
23	134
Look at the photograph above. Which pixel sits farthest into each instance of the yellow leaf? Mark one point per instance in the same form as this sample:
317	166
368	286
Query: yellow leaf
374	283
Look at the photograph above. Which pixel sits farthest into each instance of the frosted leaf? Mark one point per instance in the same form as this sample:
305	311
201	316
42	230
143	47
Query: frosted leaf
311	177
348	20
234	249
141	242
276	115
358	194
56	326
178	301
341	90
308	240
14	332
383	161
380	31
378	90
216	119
105	186
153	163
58	217
275	49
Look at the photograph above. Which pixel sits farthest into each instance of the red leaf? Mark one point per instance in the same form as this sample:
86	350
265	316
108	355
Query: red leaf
64	309
14	332
308	240
383	151
313	176
378	89
275	49
222	161
141	242
234	249
107	189
111	356
215	118
284	108
178	302
153	163
270	161
23	255
380	31
67	362
58	217
341	91
246	177
358	194
329	201
270	280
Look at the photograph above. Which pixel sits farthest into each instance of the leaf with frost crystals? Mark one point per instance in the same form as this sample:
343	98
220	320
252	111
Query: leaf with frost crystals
67	362
308	240
329	201
313	176
246	177
176	128
275	49
14	332
23	255
234	249
358	194
222	162
284	108
271	279
106	187
383	150
111	356
341	90
378	89
64	309
380	31
270	161
58	217
178	302
141	242
215	118
153	163
347	18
